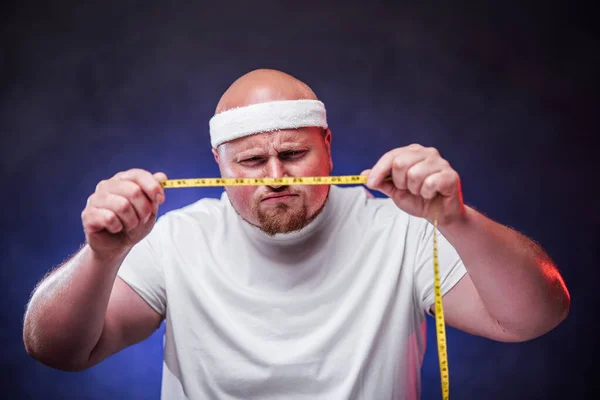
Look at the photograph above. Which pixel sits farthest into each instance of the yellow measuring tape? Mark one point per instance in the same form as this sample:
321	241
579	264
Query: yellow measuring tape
439	318
341	180
284	181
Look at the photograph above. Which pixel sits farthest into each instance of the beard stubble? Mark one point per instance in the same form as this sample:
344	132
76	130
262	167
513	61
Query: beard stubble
281	218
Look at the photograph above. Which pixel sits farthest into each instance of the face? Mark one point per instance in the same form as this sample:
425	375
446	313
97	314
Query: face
295	152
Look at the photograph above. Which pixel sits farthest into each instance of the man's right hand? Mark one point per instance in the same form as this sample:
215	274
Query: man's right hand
122	211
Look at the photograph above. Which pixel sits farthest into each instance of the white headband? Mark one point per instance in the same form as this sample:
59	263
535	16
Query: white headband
266	117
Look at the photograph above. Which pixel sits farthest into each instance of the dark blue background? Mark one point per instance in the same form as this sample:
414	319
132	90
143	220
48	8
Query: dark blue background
507	93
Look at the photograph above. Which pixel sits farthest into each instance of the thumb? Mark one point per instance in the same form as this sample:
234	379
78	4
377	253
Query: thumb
160	176
160	197
386	187
366	173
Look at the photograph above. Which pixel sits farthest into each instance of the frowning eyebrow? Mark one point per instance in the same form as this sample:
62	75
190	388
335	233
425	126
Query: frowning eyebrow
249	153
260	152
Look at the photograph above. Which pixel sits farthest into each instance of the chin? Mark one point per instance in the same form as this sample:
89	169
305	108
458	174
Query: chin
283	219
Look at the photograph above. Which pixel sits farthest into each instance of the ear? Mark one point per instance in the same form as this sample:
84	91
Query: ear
216	155
327	137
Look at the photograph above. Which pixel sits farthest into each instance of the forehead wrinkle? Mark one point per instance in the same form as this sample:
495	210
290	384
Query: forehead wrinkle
265	142
272	138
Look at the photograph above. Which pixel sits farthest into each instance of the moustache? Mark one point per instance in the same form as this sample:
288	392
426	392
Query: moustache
278	191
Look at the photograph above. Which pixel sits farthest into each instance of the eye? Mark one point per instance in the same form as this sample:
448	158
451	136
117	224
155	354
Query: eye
251	161
292	154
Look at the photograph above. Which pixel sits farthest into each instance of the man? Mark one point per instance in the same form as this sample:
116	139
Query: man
288	292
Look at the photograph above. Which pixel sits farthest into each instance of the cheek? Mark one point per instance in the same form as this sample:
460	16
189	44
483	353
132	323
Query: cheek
316	195
242	198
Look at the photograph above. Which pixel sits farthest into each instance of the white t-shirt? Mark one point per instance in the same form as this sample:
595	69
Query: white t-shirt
334	311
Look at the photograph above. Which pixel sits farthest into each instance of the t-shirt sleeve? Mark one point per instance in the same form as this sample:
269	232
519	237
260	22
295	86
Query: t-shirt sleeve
451	266
143	271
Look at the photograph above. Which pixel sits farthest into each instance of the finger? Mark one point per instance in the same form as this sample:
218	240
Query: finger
417	173
388	188
401	165
98	219
380	170
143	207
383	167
161	176
446	183
450	183
120	206
149	184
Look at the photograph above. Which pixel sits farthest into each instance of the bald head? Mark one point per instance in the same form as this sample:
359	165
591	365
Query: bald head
261	86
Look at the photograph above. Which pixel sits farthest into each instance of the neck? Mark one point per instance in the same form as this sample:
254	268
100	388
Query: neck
310	229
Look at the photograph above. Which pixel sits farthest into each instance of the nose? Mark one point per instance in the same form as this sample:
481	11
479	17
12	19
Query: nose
275	169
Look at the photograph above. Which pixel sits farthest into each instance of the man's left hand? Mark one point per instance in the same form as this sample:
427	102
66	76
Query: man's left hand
421	178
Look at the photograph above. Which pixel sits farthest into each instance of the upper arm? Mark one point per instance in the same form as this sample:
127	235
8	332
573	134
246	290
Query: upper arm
464	310
128	320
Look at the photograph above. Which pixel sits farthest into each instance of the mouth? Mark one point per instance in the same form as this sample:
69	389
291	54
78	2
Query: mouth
277	197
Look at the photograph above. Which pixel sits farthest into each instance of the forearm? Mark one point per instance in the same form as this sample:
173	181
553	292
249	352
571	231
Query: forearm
65	317
516	280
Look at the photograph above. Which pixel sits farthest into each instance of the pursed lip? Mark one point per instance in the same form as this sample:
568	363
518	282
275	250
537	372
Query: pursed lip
278	195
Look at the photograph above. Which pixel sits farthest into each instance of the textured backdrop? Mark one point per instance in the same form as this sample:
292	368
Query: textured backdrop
507	93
